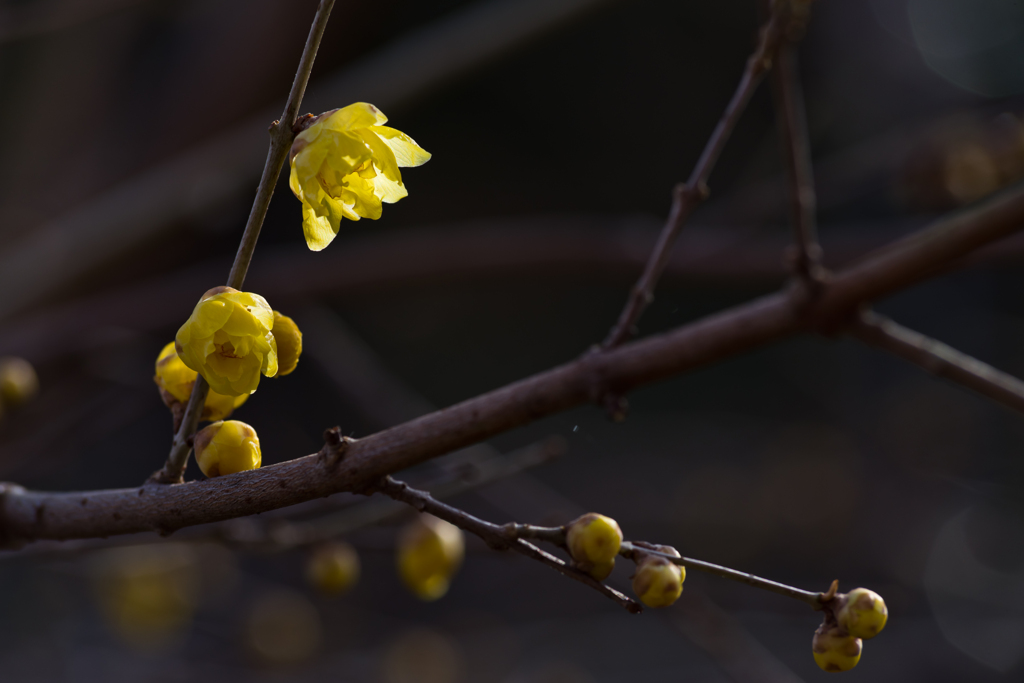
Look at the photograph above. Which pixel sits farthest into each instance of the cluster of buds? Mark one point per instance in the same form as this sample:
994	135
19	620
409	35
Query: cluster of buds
18	382
430	551
595	540
850	619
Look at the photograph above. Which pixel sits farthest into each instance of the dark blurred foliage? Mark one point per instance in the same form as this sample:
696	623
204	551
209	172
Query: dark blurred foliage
806	461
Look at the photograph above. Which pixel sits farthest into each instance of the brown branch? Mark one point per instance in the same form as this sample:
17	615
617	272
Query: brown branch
281	136
632	550
796	150
30	515
686	197
939	359
499	537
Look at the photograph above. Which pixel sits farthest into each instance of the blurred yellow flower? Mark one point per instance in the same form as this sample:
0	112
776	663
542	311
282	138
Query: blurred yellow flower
228	340
430	551
345	165
176	380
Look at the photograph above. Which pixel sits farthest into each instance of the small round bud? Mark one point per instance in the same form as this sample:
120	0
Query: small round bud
430	551
289	343
333	568
18	381
227	447
601	570
658	582
593	539
835	650
863	614
175	381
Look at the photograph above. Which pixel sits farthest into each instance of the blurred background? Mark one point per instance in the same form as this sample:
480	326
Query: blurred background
133	133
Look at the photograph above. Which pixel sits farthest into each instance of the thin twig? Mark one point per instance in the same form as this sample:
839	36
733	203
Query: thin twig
939	359
632	550
796	149
498	537
686	197
281	136
31	515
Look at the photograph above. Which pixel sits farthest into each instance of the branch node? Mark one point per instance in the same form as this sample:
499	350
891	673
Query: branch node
302	123
335	446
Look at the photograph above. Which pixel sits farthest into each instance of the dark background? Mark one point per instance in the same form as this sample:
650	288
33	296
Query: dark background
553	162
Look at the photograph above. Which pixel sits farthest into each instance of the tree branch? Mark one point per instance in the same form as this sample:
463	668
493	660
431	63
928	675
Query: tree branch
30	515
796	150
497	537
281	136
686	197
939	359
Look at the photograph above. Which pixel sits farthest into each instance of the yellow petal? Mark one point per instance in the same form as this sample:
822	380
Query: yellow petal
321	230
405	149
383	157
358	115
388	190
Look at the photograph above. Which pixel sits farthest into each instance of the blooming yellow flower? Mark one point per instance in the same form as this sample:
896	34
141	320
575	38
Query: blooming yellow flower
176	380
228	340
227	447
345	165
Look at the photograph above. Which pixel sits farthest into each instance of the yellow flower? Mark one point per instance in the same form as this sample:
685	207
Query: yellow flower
333	568
430	551
228	340
176	380
289	344
345	165
227	447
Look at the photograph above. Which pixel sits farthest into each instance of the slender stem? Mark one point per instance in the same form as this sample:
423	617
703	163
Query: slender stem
498	537
796	150
939	359
281	136
631	550
686	197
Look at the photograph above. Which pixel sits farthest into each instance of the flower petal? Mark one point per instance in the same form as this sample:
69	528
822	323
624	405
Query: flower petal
405	149
358	115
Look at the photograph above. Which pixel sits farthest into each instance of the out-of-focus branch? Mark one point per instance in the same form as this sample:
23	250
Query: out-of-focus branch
499	537
26	515
796	150
939	359
54	254
686	197
281	136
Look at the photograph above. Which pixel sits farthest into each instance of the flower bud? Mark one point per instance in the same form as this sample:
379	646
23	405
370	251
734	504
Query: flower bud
333	568
863	613
18	381
834	649
593	539
601	570
228	340
658	582
430	551
176	380
227	447
289	343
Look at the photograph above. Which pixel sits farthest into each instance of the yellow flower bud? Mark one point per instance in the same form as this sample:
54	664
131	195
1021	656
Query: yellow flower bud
227	447
659	582
148	594
289	343
601	570
835	650
863	613
228	340
176	380
333	568
18	381
430	551
593	539
345	165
